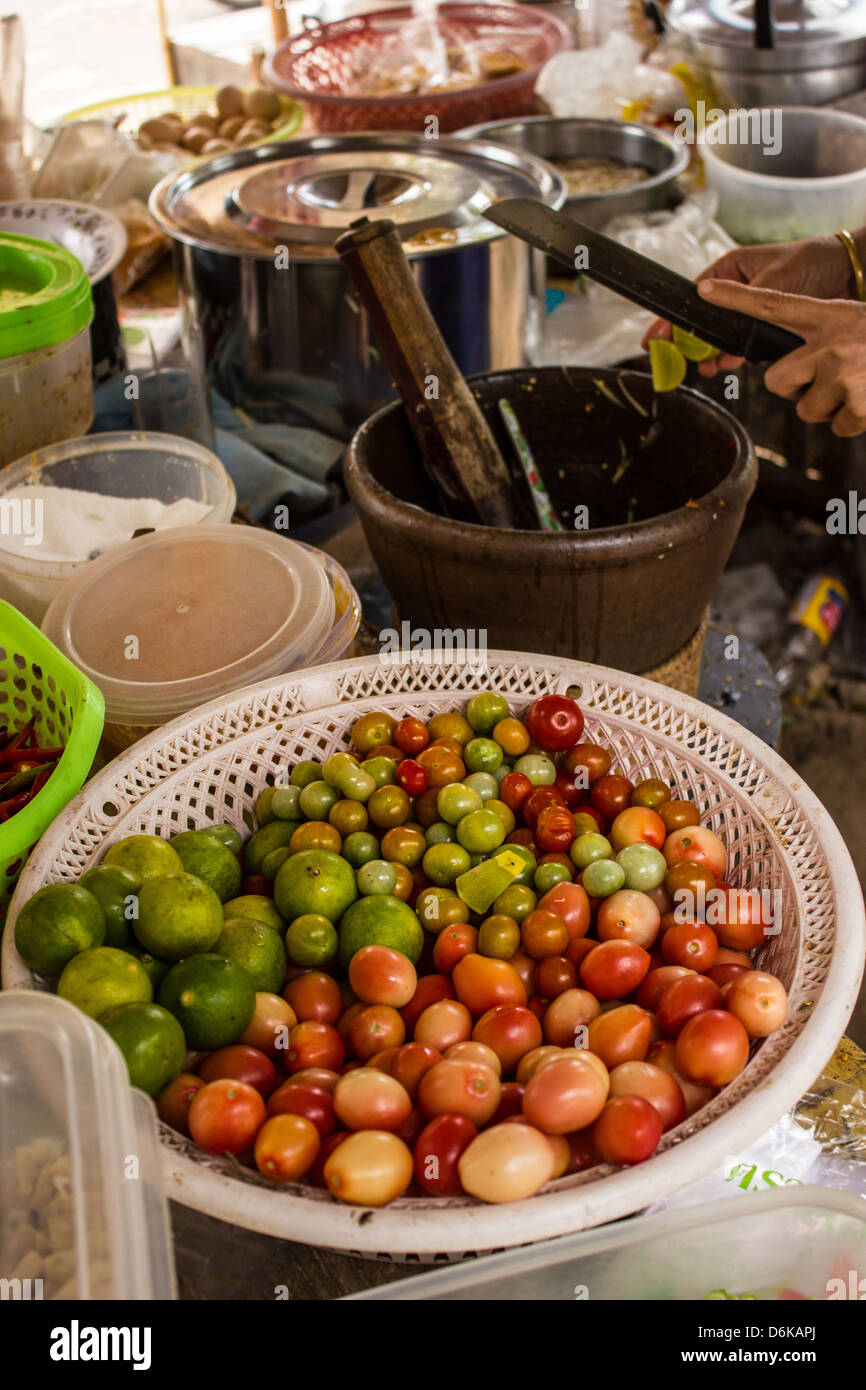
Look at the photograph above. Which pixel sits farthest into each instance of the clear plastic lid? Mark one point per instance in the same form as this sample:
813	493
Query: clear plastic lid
83	1213
176	618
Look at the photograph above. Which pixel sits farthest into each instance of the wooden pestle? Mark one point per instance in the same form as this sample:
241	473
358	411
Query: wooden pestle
456	443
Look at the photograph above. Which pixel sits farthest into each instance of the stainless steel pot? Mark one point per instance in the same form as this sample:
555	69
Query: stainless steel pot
285	336
818	51
564	137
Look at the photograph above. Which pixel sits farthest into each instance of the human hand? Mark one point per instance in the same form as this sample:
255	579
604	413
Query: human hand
827	375
818	267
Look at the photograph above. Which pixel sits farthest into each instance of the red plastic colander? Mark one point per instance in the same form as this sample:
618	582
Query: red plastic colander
318	66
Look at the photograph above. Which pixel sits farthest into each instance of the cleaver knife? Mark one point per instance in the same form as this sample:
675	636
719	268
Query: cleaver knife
645	282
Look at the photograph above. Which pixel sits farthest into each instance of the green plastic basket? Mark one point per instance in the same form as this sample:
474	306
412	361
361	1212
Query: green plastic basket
37	681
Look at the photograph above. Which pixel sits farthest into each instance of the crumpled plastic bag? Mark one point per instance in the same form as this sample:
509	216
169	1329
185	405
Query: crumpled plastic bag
822	1144
588	325
605	81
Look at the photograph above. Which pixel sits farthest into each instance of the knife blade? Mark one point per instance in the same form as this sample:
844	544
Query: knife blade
664	292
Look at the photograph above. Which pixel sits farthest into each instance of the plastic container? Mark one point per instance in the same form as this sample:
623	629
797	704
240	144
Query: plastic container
122	464
808	1241
83	1214
339	642
173	619
46	392
813	185
317	67
37	682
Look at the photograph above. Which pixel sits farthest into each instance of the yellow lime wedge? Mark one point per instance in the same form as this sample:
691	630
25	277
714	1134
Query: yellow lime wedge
667	363
692	348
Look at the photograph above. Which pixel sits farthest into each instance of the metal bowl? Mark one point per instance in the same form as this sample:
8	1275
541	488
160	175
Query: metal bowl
564	137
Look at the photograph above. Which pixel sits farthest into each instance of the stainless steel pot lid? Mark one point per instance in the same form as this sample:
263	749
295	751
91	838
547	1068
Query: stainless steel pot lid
302	194
796	23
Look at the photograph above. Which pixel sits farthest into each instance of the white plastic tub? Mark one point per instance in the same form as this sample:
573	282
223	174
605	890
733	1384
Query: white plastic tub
814	185
810	1242
83	1213
121	464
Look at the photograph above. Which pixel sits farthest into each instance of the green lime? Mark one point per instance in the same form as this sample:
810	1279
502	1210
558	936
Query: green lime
311	941
256	906
151	1041
306	772
380	921
177	914
378	876
485	711
211	997
155	967
315	880
694	349
94	980
277	835
202	854
264	814
360	847
667	363
257	949
117	891
284	803
146	856
228	836
55	924
273	862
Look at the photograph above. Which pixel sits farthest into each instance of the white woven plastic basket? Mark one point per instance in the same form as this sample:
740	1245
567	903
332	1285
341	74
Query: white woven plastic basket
211	765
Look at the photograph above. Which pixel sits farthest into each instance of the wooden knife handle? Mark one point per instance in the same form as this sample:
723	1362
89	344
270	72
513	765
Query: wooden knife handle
455	440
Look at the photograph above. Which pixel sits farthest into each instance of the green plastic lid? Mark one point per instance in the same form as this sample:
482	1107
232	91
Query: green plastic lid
45	295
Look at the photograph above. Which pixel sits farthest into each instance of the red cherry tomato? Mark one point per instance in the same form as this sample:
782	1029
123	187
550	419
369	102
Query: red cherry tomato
628	1130
411	736
696	844
637	825
683	999
614	969
572	793
570	901
555	722
722	975
410	1062
510	1102
412	777
452	944
740	918
429	990
566	1095
554	829
656	982
514	789
315	997
586	762
691	944
173	1103
759	1001
568	1016
377	1026
511	1031
241	1063
538	801
659	1087
712	1048
481	982
554	975
622	1034
526	838
286	1147
610	795
437	1152
314	1044
300	1098
460	1088
225	1116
